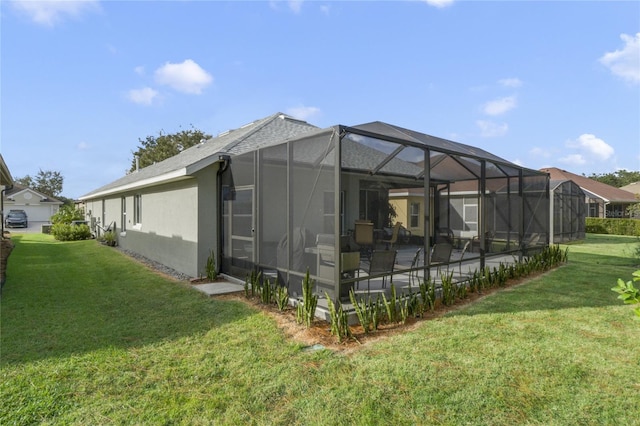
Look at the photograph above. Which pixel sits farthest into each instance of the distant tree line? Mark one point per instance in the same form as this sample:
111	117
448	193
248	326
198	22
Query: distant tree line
618	178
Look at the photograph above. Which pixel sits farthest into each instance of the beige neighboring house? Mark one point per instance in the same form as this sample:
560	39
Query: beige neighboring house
38	206
634	188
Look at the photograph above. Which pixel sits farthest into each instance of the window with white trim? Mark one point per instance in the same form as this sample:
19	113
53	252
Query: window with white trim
137	209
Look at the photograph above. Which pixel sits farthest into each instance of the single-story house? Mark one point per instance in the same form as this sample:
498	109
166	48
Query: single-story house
284	197
6	181
602	200
38	206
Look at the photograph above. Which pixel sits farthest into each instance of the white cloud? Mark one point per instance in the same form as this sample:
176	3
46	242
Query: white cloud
303	112
500	106
187	77
139	70
82	146
510	82
573	159
593	146
144	96
489	129
439	3
52	12
540	152
625	63
295	5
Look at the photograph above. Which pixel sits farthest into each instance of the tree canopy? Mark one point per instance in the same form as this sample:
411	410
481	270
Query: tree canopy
618	178
48	182
154	149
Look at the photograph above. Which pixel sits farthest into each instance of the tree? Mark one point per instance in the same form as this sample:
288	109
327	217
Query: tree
155	149
48	182
618	178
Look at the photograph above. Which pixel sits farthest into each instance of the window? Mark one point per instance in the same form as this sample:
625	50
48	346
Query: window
414	215
123	211
470	214
137	208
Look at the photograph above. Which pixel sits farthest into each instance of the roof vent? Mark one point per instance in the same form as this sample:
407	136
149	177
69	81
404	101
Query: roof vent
289	118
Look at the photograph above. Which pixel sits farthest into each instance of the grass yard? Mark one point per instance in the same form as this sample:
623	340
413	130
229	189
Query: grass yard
89	336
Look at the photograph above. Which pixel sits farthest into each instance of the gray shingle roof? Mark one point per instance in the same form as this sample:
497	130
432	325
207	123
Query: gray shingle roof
274	129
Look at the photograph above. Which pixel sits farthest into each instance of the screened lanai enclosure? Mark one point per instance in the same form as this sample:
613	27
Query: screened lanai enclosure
568	211
328	203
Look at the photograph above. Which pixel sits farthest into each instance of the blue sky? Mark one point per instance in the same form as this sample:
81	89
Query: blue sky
537	83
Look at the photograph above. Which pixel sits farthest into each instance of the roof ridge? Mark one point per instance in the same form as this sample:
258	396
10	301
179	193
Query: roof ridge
253	131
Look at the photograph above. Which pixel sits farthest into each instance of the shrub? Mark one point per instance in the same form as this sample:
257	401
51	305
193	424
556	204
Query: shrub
66	232
596	225
67	214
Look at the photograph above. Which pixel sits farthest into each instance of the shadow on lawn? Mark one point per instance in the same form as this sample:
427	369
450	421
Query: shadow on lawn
62	299
585	282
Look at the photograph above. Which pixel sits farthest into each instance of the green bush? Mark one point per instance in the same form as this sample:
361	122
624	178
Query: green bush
66	232
67	214
596	225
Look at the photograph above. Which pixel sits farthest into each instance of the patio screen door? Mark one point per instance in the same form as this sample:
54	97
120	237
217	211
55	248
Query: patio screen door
239	232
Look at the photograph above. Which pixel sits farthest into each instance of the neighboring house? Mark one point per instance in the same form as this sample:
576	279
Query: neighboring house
6	247
38	206
274	195
602	200
6	181
634	188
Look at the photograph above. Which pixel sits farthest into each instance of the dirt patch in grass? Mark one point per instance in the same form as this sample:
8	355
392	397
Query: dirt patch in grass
320	331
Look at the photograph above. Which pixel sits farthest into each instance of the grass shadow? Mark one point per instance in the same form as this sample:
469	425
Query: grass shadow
68	298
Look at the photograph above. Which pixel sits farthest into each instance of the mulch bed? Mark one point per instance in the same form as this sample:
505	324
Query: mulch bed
319	333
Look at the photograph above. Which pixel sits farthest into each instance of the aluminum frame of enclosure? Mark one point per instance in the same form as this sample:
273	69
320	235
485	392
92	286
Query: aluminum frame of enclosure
290	208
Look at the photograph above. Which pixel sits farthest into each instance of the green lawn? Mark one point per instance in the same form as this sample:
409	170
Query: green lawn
90	337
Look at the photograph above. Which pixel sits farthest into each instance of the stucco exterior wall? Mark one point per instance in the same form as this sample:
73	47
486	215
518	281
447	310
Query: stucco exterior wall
168	229
207	218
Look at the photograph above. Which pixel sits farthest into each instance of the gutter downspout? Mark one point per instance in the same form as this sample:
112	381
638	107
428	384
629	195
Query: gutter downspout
226	161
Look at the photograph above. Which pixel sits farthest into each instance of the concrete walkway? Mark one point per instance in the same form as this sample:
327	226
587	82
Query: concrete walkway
223	286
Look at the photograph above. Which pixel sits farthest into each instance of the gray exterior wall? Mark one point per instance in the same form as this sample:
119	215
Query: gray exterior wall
178	221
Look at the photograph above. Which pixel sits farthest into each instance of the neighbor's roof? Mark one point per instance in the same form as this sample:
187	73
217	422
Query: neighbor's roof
276	128
5	174
634	188
593	188
17	189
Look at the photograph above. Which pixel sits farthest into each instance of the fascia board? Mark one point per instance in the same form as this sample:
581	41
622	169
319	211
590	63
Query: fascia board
205	162
173	176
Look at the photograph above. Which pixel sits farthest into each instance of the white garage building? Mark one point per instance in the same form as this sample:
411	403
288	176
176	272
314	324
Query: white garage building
38	206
